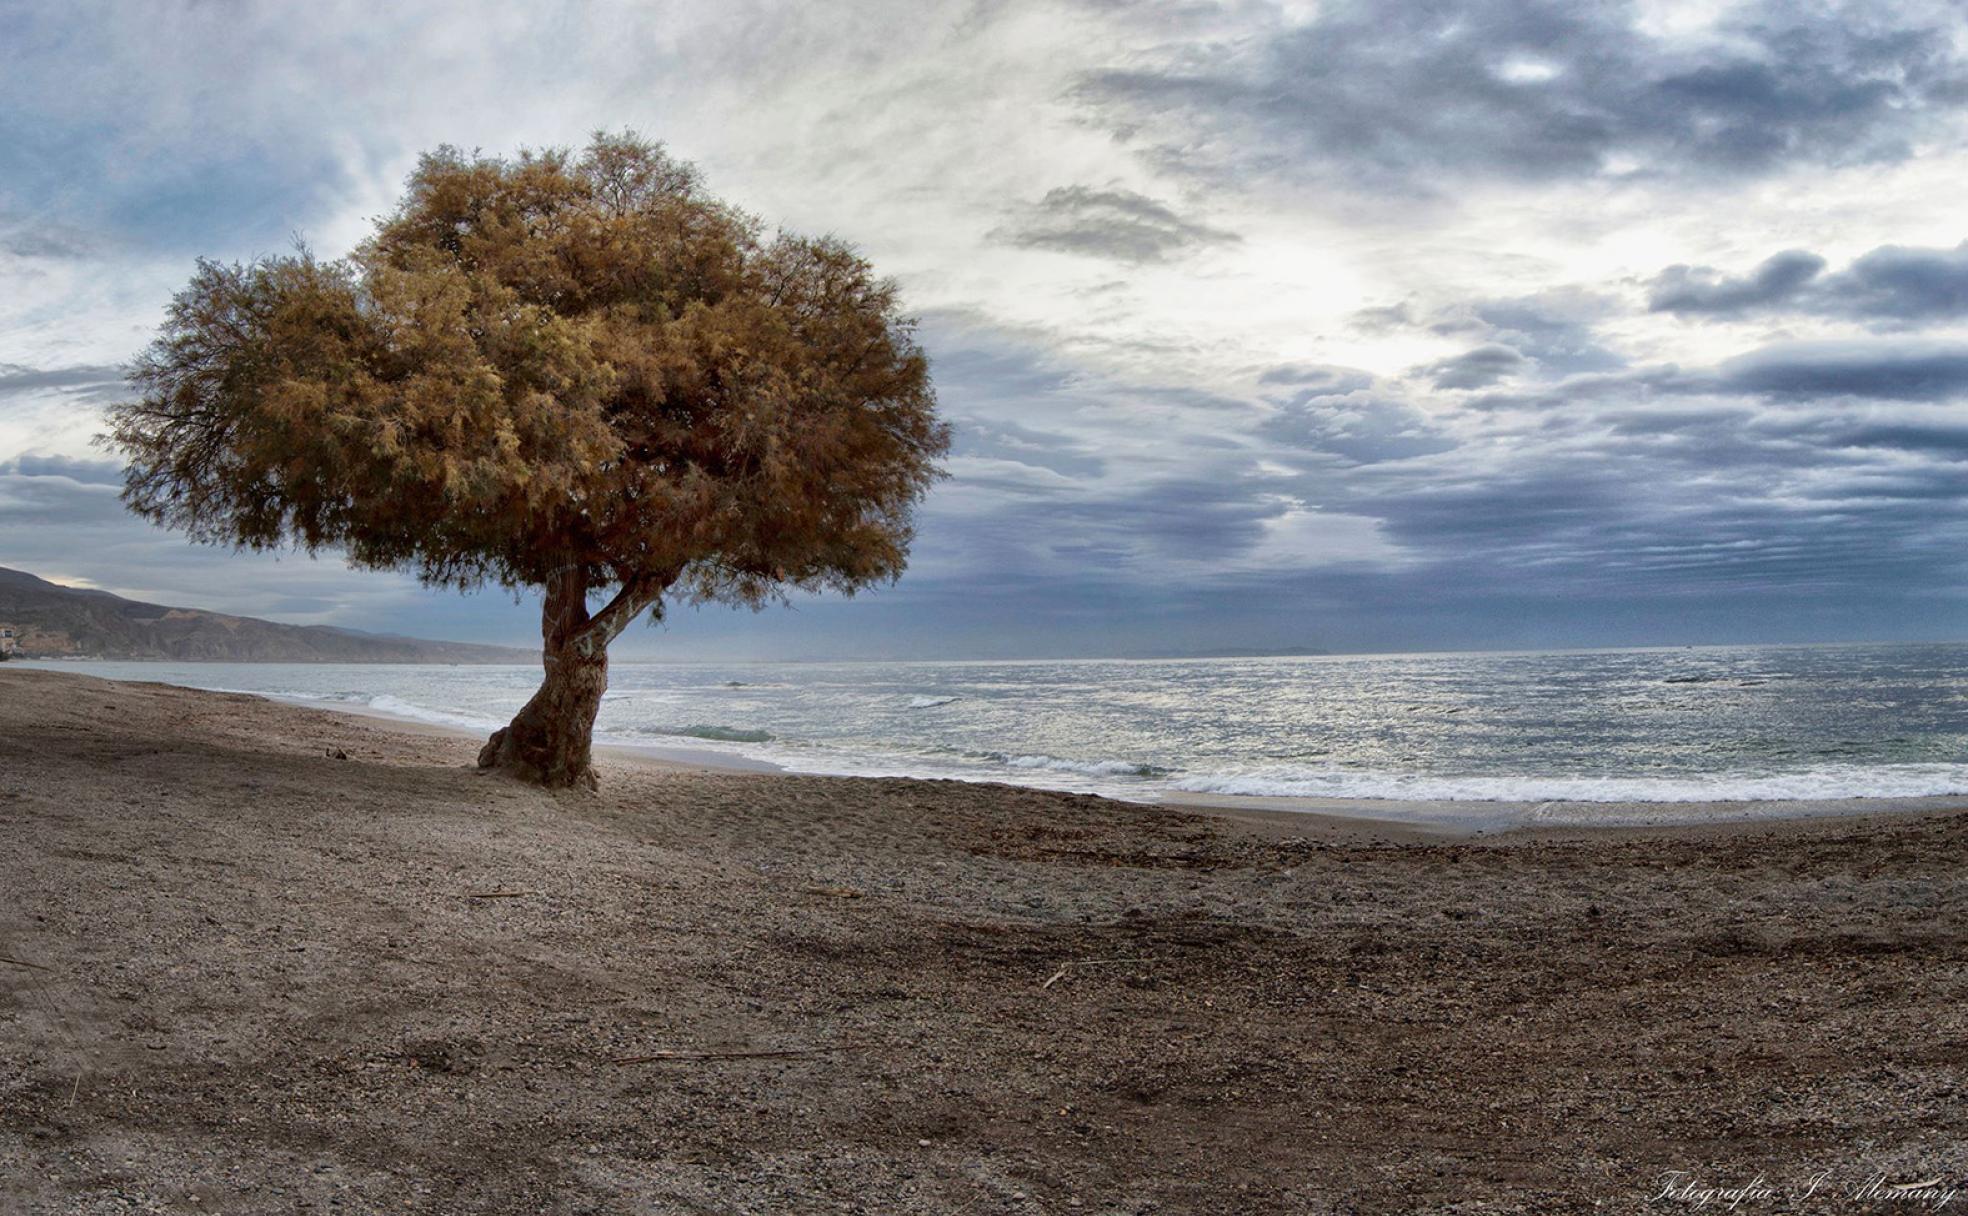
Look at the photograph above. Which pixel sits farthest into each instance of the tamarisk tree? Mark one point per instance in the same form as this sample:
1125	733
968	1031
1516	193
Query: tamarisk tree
578	373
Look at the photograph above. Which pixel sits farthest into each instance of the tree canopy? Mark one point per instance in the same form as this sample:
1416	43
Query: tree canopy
570	371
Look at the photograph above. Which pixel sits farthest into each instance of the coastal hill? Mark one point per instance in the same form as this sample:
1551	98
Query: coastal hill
53	621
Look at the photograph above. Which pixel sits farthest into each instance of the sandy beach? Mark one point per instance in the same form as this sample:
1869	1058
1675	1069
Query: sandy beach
260	958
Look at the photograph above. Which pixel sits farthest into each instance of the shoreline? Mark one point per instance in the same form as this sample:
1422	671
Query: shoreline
1410	821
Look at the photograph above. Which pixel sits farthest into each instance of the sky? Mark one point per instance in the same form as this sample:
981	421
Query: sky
1351	326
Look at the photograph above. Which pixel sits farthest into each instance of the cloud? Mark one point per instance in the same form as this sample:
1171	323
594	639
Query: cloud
44	408
95	383
1317	377
1411	96
1358	427
64	519
1902	284
50	497
1693	506
1008	441
1478	368
1116	224
1872	368
34	239
1894	285
1555	329
1701	290
1892	370
1186	422
82	472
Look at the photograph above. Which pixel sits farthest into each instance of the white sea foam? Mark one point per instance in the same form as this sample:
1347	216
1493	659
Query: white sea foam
1826	782
1089	768
381	704
931	702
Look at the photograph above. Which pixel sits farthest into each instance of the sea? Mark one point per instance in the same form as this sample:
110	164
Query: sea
1702	724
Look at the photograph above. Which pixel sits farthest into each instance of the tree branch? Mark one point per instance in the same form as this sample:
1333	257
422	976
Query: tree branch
636	595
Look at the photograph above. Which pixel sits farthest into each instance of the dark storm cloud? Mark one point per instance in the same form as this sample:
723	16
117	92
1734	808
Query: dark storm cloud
95	383
1903	284
1880	369
1385	95
1478	368
85	472
1834	470
1670	513
1111	533
1863	368
1949	442
1113	223
1890	370
1837	471
1804	490
1700	289
1893	285
44	499
1184	518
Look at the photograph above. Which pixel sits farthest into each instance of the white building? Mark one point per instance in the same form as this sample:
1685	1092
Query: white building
7	640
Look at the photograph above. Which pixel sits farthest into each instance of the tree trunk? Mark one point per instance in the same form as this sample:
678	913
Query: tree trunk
551	740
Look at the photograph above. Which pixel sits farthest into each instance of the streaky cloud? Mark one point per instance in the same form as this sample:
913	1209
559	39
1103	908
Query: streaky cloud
1409	97
1108	223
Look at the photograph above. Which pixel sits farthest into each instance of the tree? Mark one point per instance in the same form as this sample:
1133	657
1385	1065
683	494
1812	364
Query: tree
577	373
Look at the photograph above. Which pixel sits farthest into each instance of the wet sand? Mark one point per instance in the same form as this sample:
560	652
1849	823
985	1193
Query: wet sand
245	975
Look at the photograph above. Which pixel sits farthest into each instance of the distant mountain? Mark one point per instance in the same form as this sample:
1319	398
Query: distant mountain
51	621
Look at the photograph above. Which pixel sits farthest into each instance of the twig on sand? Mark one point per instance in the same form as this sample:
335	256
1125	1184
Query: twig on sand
769	1053
836	892
1090	962
501	894
21	962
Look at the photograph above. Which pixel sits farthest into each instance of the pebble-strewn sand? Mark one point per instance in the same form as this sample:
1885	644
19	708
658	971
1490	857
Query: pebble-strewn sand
267	980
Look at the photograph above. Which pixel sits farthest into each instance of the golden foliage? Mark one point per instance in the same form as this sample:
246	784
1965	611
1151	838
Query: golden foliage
581	370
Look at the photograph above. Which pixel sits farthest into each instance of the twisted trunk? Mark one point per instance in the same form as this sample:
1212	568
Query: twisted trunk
550	742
